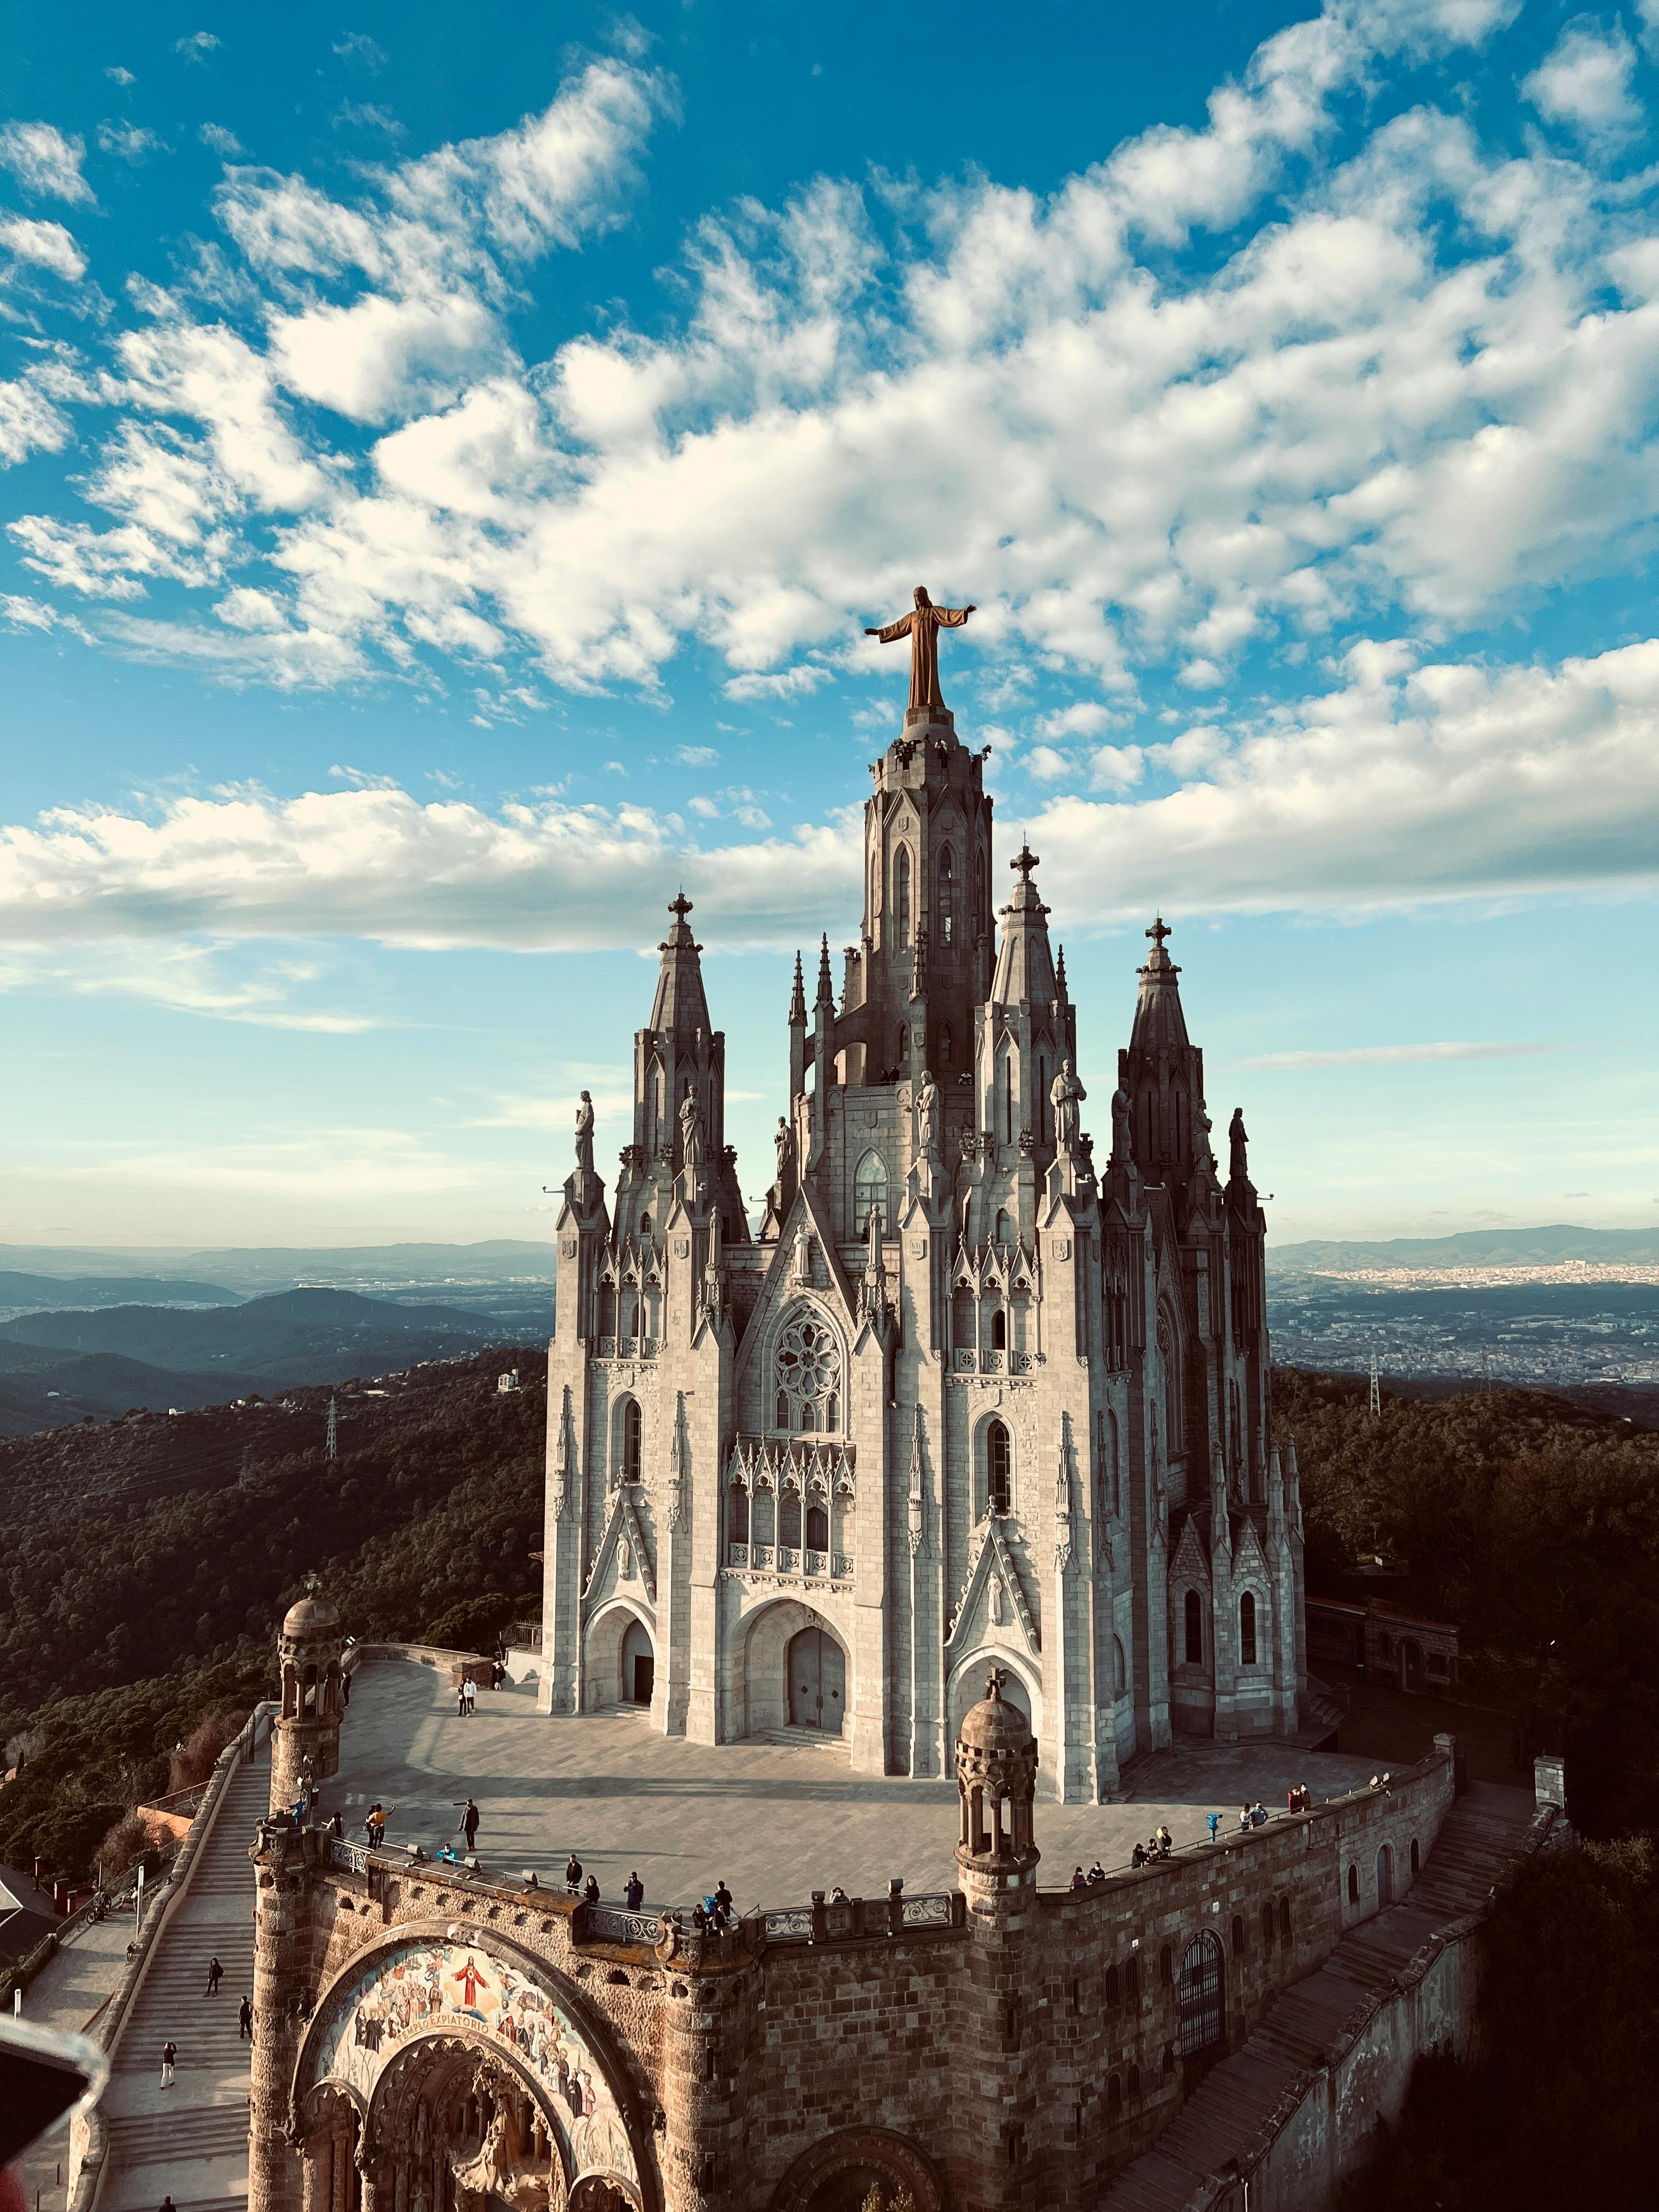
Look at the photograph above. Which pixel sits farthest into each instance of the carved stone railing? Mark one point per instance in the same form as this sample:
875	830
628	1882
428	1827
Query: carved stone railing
627	1347
609	1923
864	1919
786	1560
353	1858
791	1923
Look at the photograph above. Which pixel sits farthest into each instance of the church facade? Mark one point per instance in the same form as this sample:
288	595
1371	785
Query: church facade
973	1396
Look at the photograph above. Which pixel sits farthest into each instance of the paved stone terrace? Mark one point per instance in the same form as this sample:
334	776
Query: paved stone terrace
775	1821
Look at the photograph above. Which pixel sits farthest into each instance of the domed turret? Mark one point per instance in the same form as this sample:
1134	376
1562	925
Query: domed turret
305	1741
996	1781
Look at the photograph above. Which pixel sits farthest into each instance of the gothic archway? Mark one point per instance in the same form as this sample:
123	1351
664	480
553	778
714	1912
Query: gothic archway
483	2080
837	2174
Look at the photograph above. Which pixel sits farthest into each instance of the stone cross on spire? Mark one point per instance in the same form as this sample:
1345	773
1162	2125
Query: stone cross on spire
1159	930
1025	860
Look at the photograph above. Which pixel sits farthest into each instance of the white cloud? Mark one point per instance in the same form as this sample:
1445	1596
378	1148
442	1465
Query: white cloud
126	140
1391	1055
358	46
1048	766
24	613
44	161
119	75
44	246
218	140
1117	768
197	47
1585	83
695	755
787	683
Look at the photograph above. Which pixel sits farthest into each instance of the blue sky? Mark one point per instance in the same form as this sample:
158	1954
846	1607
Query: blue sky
450	458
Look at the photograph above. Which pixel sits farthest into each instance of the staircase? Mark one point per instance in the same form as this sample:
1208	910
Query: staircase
1237	2098
191	2142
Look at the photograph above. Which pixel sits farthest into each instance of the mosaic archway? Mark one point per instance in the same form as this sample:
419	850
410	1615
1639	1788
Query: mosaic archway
485	2085
837	2174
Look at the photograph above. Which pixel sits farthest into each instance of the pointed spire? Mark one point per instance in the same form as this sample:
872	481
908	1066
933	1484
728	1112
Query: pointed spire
826	987
798	998
1026	965
1160	1024
1060	971
679	1007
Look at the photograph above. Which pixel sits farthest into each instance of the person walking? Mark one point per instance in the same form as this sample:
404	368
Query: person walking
244	2022
573	1874
470	1691
216	1975
460	1701
169	2052
634	1895
468	1825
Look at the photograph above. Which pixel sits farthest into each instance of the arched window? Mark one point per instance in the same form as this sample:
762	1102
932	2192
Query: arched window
999	1468
1007	1098
902	896
1203	1997
1005	1226
817	1528
789	1520
1266	1927
1114	2098
1247	1629
947	898
901	1046
1111	1988
999	1331
1120	1669
631	1429
1168	1352
808	1365
1284	1919
1131	1976
947	1049
737	1515
1168	2061
1416	1859
1194	1612
1353	1884
1165	1967
1239	1936
869	1188
645	1225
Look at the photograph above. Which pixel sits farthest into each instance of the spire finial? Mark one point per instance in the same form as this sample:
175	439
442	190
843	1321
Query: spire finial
1024	860
1159	930
679	905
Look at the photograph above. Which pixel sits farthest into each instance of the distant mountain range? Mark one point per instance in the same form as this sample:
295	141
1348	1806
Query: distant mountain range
1475	1247
20	1293
508	1261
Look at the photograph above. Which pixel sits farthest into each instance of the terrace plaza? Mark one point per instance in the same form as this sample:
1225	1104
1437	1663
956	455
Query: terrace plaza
775	1821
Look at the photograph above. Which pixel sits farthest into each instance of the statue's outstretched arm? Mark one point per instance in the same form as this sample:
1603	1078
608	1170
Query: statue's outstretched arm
953	617
899	628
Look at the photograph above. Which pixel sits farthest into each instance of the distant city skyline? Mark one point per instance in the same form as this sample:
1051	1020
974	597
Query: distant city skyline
448	468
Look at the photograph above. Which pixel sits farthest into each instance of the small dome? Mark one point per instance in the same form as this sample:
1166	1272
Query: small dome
311	1616
995	1723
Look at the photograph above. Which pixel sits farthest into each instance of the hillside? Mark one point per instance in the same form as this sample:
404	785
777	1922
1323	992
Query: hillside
23	1293
130	1605
292	1336
502	1259
1473	1248
51	1390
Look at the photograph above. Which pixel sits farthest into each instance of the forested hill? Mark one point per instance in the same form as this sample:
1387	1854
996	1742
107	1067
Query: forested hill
128	1606
1532	1522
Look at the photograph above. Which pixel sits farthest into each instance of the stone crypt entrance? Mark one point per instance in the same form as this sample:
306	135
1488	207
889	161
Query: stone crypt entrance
817	1681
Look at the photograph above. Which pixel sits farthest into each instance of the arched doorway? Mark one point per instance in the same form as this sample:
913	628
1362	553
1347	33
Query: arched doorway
1385	1877
817	1668
638	1665
839	2172
1203	2003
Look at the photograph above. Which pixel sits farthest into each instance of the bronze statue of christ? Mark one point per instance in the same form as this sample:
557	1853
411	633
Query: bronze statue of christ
922	629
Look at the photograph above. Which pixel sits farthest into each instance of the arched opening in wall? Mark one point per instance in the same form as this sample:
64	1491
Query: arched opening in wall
628	1311
901	1047
1239	1936
1005	1229
855	2167
807	1386
1417	1863
1193	1612
1120	1669
1247	1629
1008	1088
1000	1330
1267	1927
788	1519
1168	1352
999	1468
817	1526
902	896
1385	1877
817	1668
869	1190
1114	2099
616	1637
1111	1988
736	1515
947	898
947	1047
763	1519
630	1430
1203	2001
638	1665
1353	1884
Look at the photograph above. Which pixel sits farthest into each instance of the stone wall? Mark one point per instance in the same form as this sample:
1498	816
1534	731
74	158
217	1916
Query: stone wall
1017	2060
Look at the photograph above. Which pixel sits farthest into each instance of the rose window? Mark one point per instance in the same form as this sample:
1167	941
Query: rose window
808	1363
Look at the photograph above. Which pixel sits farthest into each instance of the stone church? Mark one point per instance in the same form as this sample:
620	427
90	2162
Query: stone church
973	1396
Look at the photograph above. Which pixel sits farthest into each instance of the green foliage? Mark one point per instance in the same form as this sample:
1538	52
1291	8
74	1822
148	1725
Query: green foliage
475	1624
1560	2107
1532	1523
125	1622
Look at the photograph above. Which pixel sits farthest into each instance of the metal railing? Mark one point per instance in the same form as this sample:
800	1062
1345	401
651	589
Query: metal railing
609	1923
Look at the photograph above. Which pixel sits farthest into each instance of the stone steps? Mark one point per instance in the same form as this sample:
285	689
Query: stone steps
1296	2035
